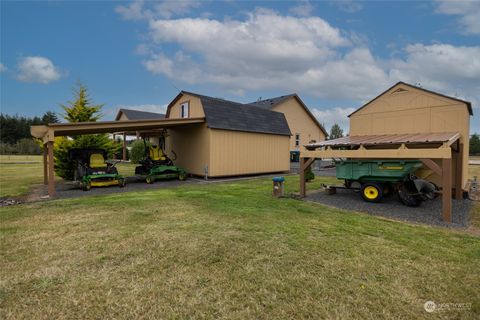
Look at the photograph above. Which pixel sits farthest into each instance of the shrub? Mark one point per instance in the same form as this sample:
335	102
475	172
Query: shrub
137	152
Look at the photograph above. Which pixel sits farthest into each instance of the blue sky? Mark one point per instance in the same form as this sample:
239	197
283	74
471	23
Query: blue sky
335	54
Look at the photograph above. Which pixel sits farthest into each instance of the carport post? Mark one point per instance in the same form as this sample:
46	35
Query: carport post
51	170
124	147
45	165
305	163
447	189
458	171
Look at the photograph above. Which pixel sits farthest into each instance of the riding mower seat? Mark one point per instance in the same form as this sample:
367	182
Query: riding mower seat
98	164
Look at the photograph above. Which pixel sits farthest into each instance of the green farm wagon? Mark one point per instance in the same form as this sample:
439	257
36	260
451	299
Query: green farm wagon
377	178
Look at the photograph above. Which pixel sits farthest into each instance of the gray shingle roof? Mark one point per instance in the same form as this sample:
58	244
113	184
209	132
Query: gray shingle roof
139	115
270	103
230	115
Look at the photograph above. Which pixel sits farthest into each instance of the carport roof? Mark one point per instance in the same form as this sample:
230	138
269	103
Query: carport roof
70	129
386	139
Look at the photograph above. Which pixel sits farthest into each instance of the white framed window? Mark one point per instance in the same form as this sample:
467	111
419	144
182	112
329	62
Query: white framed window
297	140
184	110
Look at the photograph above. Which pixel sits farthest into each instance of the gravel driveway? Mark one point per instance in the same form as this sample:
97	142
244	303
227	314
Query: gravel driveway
430	212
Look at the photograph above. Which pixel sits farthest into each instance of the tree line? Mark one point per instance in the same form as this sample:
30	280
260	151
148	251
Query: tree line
15	135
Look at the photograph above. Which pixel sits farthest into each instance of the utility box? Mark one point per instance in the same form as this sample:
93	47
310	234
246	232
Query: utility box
278	186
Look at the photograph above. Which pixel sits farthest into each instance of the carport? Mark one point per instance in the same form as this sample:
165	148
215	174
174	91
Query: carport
435	150
47	134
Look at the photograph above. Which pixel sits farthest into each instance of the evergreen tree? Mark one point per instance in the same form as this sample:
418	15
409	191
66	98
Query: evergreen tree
80	110
49	117
335	132
474	145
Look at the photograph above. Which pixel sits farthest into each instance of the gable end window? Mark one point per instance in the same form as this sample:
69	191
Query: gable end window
184	110
297	140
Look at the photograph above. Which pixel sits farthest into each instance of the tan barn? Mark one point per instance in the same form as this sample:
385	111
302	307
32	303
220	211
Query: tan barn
235	139
304	126
408	109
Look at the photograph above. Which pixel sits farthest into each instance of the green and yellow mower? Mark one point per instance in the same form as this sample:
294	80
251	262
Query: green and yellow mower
93	170
157	165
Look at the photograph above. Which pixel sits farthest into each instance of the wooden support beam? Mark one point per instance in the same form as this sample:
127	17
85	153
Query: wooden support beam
458	155
447	190
432	165
303	184
45	164
124	155
51	170
426	153
305	163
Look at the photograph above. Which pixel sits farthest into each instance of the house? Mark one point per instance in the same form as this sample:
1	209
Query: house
304	126
236	139
408	109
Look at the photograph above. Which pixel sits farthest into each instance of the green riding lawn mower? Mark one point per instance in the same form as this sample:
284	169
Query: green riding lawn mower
93	170
157	165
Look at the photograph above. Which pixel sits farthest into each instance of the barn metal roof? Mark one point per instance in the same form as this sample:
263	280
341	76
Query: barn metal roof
386	139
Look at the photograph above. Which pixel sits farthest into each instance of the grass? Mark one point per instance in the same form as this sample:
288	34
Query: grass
227	251
18	173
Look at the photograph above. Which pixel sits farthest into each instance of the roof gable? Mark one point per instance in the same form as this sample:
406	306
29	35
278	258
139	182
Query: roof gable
273	102
399	87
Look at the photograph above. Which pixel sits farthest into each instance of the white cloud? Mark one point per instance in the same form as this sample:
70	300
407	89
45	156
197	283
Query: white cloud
139	9
303	10
329	117
37	69
302	54
468	13
452	70
2	67
134	11
349	6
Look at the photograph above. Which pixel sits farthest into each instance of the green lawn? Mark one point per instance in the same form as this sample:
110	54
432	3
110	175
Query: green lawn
227	251
19	173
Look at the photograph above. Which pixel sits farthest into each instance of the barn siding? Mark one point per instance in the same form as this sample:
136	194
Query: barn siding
240	153
192	147
299	121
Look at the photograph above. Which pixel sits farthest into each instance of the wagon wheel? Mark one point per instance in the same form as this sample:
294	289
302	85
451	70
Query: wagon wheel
372	192
404	194
87	185
182	176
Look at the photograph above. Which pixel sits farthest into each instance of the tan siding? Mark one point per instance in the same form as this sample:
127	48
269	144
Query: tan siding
414	111
240	153
196	109
123	117
300	122
192	145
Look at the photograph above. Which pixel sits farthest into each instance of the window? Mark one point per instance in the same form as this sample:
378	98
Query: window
184	110
297	140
